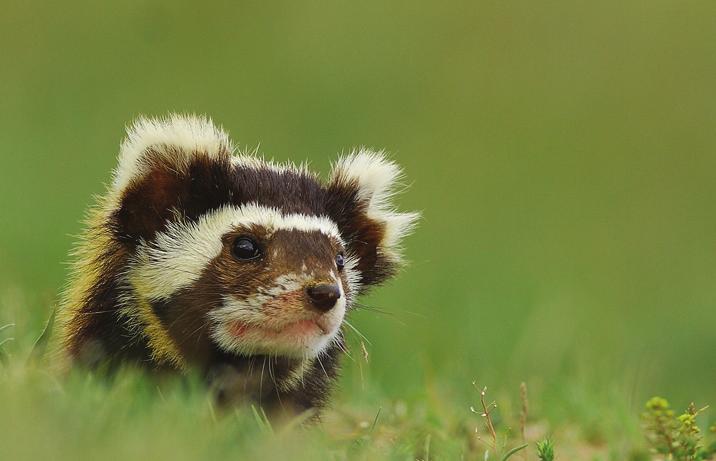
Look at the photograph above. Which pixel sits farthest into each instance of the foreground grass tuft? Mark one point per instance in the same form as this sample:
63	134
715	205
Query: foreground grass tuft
545	450
677	437
500	450
86	416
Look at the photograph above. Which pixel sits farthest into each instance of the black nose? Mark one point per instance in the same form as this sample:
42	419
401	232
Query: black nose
324	296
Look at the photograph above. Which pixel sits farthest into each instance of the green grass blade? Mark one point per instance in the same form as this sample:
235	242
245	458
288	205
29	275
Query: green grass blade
40	346
513	451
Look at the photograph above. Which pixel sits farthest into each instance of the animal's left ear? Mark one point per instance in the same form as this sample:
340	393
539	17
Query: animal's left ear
359	201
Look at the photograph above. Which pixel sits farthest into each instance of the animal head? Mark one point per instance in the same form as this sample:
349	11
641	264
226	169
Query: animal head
233	252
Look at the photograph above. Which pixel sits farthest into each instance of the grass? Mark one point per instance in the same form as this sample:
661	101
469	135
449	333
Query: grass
545	450
129	416
87	416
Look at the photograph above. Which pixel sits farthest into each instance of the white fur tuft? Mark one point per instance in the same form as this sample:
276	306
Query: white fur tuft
176	137
377	178
375	175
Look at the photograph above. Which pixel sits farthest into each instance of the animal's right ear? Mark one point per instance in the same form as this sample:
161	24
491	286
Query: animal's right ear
174	166
360	195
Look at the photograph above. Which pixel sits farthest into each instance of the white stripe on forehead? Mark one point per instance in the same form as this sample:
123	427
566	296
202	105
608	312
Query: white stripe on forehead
179	254
273	220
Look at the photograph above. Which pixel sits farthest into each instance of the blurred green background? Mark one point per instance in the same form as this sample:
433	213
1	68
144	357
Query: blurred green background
562	153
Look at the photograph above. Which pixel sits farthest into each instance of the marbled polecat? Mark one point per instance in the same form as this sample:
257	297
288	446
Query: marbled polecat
243	270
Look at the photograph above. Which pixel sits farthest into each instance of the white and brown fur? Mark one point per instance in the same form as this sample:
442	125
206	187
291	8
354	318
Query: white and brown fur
155	282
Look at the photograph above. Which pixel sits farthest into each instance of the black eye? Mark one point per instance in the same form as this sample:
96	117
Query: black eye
340	261
246	248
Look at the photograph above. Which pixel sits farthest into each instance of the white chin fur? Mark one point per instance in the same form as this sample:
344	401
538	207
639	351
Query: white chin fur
284	344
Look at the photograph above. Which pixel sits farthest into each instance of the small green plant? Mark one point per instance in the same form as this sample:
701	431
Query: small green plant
500	450
545	450
677	437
